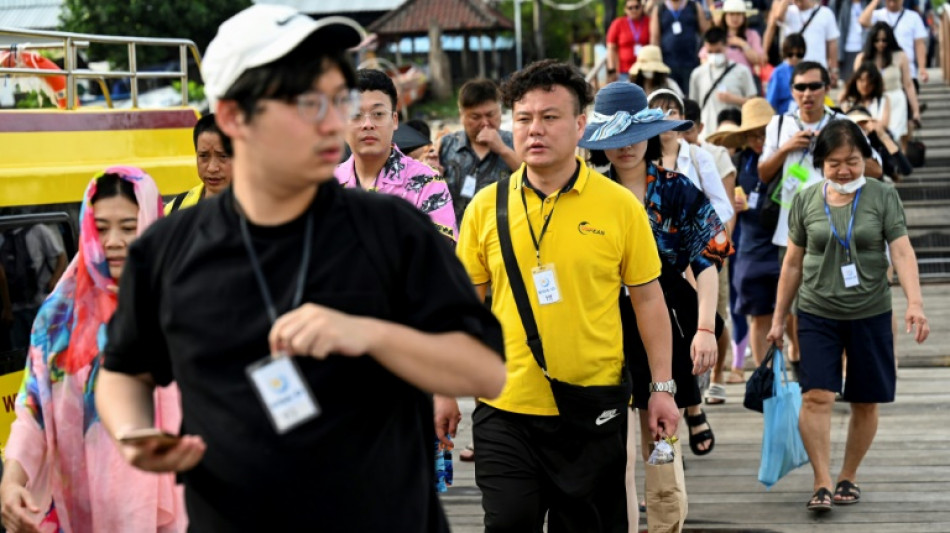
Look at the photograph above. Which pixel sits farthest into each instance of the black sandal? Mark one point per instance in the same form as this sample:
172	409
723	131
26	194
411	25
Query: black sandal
847	489
820	501
705	435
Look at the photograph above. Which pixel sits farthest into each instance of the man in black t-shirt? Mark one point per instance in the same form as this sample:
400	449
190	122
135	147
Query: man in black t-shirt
359	287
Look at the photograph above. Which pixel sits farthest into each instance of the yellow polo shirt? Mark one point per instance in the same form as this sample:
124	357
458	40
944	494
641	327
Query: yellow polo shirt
598	239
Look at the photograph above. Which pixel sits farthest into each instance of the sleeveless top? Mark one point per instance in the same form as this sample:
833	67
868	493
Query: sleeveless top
892	77
682	49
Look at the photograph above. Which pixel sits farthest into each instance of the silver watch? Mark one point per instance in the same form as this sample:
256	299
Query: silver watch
664	386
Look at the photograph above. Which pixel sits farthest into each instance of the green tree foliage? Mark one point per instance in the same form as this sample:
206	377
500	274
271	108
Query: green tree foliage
187	19
561	28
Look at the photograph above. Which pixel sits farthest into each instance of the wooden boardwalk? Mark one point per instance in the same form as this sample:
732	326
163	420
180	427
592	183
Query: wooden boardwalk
905	477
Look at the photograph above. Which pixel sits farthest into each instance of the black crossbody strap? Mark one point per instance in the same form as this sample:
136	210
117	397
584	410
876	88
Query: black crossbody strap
515	280
811	18
715	83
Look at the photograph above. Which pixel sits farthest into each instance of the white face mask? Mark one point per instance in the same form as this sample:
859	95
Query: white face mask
648	74
717	60
848	188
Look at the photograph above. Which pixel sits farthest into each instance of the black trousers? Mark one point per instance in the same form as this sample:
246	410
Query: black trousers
528	466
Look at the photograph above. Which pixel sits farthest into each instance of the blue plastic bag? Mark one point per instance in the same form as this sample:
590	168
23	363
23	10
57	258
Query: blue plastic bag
782	447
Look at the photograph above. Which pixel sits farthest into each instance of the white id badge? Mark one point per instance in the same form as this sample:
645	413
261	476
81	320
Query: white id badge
850	274
283	391
753	201
545	283
677	27
637	48
468	187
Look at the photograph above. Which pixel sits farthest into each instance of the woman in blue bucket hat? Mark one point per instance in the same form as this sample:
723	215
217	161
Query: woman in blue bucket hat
688	234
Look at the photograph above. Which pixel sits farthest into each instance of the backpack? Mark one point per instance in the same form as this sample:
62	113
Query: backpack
18	266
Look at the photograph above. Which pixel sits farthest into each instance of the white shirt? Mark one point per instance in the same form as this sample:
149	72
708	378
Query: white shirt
909	28
822	29
855	42
738	82
699	166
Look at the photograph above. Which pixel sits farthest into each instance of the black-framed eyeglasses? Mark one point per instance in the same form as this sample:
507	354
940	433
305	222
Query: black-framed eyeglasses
811	86
796	55
313	106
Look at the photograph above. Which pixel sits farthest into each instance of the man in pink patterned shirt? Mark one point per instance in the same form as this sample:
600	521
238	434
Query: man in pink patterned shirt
378	165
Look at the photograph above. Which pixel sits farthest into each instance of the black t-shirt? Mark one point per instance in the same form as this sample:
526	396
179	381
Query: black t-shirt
191	311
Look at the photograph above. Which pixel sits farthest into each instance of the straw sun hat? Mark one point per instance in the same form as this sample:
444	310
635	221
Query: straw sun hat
650	59
621	118
756	113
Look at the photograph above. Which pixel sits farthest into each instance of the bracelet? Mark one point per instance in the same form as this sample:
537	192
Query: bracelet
611	71
711	332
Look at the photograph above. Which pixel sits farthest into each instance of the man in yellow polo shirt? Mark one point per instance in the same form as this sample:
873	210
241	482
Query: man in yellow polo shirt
576	231
213	153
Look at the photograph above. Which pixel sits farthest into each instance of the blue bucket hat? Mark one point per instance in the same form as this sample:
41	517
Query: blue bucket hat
621	118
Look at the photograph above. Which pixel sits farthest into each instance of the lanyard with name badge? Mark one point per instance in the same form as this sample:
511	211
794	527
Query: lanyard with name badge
797	175
849	271
636	37
545	276
753	200
277	380
676	26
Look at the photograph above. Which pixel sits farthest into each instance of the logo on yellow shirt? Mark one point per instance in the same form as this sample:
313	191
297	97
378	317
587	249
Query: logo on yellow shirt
585	228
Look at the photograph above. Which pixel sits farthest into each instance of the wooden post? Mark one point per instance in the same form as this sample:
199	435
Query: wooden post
439	70
398	50
466	49
495	58
481	55
538	31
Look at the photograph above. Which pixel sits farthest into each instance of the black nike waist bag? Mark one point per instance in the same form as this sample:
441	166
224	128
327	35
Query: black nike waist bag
599	409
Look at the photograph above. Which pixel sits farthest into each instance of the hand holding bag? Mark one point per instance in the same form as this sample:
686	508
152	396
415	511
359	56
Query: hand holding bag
760	384
782	447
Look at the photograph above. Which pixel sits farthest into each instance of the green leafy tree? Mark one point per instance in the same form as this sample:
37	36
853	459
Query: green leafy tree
187	19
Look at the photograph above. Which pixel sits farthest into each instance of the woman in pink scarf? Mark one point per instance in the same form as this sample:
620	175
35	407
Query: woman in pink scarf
62	470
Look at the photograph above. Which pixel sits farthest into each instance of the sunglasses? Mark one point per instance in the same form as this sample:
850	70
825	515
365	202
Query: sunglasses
813	86
631	7
796	55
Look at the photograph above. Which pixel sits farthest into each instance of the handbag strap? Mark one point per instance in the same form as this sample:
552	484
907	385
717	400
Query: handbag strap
515	280
712	89
811	18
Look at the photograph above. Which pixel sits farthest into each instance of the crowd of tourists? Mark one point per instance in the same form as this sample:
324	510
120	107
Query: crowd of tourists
280	346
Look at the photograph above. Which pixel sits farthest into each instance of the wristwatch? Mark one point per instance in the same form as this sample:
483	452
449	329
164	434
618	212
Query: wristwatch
664	386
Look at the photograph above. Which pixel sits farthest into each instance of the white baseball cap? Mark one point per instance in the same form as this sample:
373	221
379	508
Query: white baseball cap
264	33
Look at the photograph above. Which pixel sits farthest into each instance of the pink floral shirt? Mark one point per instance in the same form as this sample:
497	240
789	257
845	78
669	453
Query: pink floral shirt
412	181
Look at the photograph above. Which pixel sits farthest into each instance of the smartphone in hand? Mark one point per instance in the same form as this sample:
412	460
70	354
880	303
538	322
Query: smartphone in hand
138	437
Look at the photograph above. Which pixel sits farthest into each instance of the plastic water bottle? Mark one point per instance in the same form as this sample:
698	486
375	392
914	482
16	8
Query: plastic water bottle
439	468
449	470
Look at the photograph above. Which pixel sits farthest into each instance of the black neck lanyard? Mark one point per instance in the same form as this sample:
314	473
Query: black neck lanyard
544	228
259	272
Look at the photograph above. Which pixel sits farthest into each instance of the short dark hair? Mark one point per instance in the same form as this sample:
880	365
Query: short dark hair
792	42
545	74
715	35
420	126
806	66
691	111
376	80
730	114
837	133
874	76
206	124
111	185
477	92
289	76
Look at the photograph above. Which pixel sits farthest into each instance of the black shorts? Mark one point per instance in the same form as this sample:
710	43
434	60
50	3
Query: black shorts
869	342
529	467
687	390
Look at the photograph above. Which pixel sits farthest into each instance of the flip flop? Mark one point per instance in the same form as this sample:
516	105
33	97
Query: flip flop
467	454
735	378
820	502
847	489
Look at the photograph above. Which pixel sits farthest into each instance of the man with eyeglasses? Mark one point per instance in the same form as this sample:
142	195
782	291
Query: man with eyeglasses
306	325
787	156
625	37
378	165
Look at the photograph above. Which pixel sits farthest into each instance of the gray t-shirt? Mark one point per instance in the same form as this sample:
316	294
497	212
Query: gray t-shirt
879	220
460	161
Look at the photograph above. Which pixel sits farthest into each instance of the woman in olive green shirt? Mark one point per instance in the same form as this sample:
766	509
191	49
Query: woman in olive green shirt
839	232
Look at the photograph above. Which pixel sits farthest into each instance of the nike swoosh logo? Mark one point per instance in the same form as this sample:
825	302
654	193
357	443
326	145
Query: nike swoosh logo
606	416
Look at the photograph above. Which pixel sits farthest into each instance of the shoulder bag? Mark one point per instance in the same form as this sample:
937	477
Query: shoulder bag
596	409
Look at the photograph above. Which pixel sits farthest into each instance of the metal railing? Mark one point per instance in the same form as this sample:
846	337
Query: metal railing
70	43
